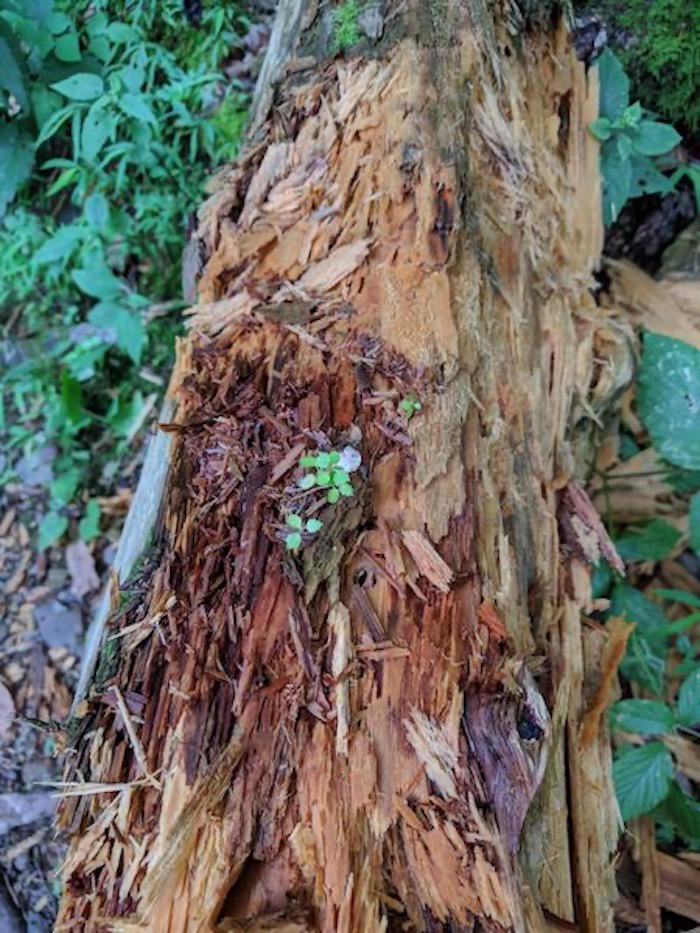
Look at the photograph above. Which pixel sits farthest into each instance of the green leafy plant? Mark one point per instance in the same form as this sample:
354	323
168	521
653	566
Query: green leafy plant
294	538
331	474
410	406
630	142
105	146
346	31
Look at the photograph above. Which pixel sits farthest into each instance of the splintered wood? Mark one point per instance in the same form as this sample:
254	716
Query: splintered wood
380	731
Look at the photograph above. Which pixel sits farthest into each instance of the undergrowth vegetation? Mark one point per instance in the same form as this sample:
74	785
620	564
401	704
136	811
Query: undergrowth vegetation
112	115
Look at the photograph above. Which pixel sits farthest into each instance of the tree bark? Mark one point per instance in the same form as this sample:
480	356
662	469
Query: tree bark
400	724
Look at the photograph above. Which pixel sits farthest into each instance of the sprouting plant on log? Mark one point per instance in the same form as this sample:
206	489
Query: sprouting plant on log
299	529
410	406
331	472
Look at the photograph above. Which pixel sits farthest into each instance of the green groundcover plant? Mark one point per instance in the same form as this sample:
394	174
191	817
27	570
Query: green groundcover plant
111	117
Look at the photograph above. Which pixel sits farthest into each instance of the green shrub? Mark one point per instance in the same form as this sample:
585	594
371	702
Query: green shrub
104	150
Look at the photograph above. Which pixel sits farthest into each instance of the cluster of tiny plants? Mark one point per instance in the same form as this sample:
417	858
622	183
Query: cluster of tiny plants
294	538
328	473
410	406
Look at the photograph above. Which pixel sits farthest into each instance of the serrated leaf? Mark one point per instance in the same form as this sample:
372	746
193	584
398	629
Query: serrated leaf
688	707
633	605
82	86
614	85
668	397
646	717
653	541
89	524
51	528
654	138
684	813
644	663
642	778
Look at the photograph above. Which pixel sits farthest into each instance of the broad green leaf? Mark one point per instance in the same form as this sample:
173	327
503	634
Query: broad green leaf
294	521
51	528
642	778
307	482
11	77
58	23
624	146
120	33
617	181
694	517
601	129
97	128
82	86
646	178
313	525
60	245
97	211
646	717
688	707
16	161
100	47
67	48
653	541
134	105
98	282
89	524
654	138
668	396
614	85
293	540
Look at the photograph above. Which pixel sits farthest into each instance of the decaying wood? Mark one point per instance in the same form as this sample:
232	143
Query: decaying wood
399	727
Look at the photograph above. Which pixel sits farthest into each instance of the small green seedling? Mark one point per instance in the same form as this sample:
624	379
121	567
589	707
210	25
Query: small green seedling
409	406
332	472
293	539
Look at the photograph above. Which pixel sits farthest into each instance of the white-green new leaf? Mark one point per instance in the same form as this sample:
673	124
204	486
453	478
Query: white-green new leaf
81	86
642	778
668	396
688	709
645	717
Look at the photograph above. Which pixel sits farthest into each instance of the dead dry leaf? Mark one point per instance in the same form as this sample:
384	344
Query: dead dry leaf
81	567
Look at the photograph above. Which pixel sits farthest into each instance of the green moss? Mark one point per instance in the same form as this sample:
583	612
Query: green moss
662	56
229	123
346	30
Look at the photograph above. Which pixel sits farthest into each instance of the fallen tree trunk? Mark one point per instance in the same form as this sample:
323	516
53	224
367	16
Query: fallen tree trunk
392	719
